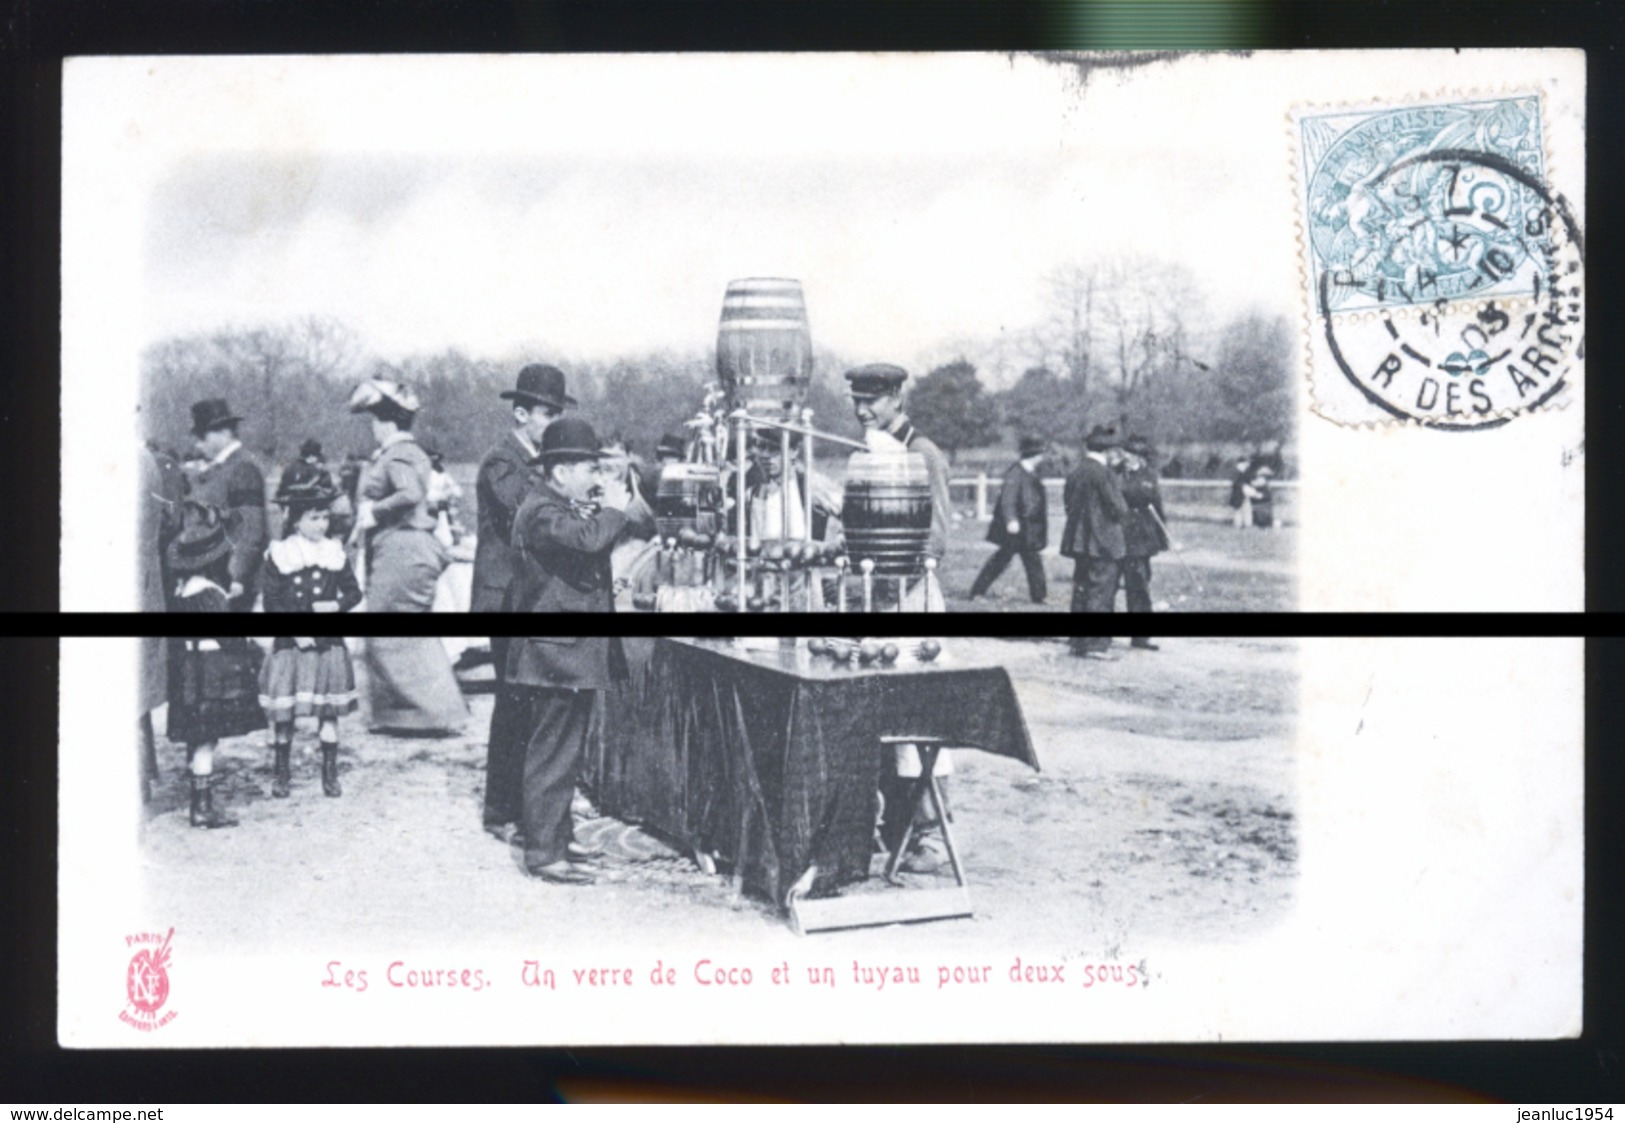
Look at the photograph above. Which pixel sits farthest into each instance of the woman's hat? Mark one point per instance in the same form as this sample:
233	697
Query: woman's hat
671	445
569	438
1102	438
202	540
539	384
211	414
1031	446
375	391
304	485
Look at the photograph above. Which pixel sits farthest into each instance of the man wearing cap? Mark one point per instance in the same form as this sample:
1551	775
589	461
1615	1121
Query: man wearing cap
877	400
231	482
1020	525
1093	537
1144	535
562	538
504	479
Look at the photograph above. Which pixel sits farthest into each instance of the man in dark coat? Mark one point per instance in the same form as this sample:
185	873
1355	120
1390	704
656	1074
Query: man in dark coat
562	537
1093	537
1144	535
231	482
505	478
1020	525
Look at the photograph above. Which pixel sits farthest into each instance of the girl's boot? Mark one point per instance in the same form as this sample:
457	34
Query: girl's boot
284	771
204	815
330	770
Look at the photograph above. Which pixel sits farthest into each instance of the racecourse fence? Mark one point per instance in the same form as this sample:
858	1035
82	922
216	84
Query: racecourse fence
1182	500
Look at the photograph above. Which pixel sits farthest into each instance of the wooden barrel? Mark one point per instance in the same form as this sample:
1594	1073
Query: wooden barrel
886	511
764	348
689	497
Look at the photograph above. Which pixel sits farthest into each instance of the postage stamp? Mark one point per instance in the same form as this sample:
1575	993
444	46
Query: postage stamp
1443	274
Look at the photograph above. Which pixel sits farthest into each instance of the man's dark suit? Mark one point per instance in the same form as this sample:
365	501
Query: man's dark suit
237	486
562	553
1021	501
504	480
1093	538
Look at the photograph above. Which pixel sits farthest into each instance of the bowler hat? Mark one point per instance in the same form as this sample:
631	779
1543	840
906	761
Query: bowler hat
874	380
210	414
569	438
1102	438
1140	446
1031	446
202	540
671	445
312	447
539	384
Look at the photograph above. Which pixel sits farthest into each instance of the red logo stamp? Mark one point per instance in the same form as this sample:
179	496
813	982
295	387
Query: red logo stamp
146	982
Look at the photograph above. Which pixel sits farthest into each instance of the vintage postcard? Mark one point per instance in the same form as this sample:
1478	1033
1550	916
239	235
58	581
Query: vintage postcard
1198	840
830	331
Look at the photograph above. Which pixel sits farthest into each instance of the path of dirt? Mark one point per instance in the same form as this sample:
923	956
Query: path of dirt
1165	809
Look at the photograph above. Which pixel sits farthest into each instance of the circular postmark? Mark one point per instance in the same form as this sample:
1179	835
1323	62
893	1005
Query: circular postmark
1463	305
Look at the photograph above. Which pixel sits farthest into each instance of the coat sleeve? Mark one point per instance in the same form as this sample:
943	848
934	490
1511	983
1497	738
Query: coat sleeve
245	495
1111	494
349	588
936	464
507	482
1010	505
553	526
277	588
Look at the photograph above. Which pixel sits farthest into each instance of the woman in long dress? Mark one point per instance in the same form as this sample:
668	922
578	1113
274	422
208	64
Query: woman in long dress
410	682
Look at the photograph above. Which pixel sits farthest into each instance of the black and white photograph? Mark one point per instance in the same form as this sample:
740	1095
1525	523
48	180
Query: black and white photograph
825	333
820	839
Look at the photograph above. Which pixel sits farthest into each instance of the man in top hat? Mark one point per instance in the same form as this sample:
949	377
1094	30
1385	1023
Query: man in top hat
1144	527
230	481
877	400
562	538
504	480
1093	537
1020	525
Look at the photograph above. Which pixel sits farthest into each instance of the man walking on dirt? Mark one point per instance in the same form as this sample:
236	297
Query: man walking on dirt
1020	525
505	478
1093	537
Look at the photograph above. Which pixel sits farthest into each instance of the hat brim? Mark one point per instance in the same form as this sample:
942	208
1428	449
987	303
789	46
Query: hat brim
323	499
217	423
191	562
520	398
566	456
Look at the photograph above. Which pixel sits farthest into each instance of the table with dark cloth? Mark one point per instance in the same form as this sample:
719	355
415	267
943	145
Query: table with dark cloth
771	760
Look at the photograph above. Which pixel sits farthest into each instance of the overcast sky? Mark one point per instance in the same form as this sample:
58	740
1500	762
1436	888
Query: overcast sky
595	206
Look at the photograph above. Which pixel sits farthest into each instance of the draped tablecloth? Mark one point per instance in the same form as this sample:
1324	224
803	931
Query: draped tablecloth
771	760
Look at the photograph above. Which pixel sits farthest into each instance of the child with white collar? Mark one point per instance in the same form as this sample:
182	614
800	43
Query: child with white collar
307	571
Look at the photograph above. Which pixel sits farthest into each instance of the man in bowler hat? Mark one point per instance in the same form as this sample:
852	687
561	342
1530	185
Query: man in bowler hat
562	538
1144	535
1020	526
1093	537
231	482
504	479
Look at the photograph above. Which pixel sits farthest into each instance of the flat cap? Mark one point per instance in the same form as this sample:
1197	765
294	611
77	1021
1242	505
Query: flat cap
875	379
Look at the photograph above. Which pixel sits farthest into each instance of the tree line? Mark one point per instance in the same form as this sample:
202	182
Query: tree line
1121	342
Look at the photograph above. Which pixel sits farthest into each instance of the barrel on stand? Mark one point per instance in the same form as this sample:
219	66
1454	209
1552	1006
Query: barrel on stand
764	347
886	512
688	497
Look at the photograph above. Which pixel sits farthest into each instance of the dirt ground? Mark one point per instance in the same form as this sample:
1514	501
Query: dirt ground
1164	810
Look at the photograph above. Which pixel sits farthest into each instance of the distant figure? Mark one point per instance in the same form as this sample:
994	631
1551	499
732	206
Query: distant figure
1240	501
1261	498
233	484
1020	524
1093	537
1144	529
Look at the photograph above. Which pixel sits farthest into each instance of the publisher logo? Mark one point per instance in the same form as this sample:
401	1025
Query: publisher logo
146	982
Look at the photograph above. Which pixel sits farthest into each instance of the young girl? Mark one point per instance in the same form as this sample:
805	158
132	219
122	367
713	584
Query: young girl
211	681
307	571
